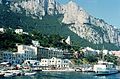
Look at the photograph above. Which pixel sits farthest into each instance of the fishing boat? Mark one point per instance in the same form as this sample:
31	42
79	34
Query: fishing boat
105	68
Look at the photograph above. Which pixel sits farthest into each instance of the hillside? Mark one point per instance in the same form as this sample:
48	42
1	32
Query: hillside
48	25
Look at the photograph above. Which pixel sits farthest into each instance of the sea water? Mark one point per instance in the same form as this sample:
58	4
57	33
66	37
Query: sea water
65	75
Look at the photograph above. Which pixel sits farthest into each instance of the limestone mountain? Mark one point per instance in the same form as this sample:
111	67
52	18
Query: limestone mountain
88	27
49	16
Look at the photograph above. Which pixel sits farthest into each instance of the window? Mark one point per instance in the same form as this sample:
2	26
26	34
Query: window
35	63
65	61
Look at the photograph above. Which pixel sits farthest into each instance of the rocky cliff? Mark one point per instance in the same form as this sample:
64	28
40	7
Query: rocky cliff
36	8
88	27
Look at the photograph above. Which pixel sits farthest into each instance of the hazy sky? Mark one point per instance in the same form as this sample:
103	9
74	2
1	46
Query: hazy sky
109	10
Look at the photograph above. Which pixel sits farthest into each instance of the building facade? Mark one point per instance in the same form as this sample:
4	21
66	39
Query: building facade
56	63
90	52
31	63
116	53
24	53
19	31
50	52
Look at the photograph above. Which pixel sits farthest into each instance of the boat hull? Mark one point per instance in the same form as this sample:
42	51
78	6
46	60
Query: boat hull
9	74
106	72
29	73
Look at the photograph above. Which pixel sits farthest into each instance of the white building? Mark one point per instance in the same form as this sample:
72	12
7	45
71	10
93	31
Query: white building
116	53
26	48
16	58
2	30
105	52
35	43
68	40
19	31
24	53
56	62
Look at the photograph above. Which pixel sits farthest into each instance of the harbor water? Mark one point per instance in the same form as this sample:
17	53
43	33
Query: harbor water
65	75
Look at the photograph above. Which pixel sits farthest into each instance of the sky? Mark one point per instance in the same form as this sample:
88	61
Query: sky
108	10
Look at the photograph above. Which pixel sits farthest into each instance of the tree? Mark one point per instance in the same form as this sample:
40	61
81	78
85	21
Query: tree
111	58
91	58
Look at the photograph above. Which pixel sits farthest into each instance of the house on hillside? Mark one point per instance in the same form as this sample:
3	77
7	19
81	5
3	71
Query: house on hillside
19	31
2	30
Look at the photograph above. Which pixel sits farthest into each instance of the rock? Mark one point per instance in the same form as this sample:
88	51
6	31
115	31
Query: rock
80	22
88	27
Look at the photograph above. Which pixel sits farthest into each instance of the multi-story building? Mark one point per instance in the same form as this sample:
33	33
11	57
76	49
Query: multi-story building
24	53
27	49
90	52
12	57
56	63
50	52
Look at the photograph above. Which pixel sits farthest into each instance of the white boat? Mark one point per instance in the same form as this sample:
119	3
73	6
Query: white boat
9	74
17	72
105	68
29	73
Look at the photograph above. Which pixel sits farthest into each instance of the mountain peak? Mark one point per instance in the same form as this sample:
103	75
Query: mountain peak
71	2
74	13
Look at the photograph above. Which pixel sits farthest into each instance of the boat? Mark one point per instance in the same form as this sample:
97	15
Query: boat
78	69
29	73
17	72
9	74
104	68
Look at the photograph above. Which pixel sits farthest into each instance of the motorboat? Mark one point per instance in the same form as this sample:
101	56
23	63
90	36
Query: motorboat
104	68
29	73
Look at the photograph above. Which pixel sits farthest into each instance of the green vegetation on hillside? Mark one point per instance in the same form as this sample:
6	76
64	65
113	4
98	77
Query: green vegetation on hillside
9	39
